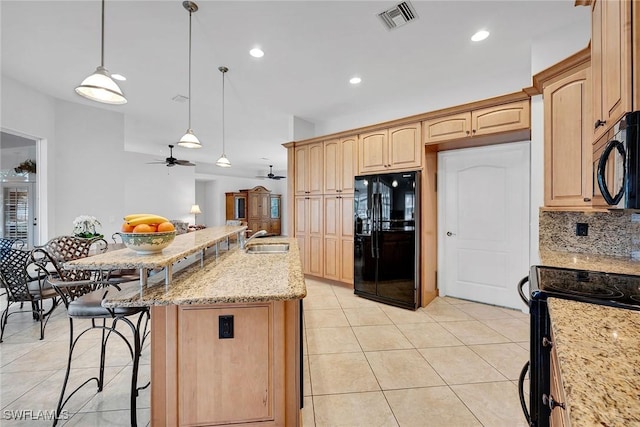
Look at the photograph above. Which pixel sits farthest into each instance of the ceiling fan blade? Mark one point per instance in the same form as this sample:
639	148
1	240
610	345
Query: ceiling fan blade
159	162
184	163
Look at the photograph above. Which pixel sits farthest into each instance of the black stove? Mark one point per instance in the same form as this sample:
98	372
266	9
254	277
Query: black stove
595	287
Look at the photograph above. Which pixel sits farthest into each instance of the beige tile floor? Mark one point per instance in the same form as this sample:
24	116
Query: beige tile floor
454	363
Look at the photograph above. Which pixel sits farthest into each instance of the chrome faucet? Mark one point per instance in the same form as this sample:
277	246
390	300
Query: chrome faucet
244	242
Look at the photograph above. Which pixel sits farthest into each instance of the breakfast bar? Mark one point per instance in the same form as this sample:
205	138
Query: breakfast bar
183	246
226	333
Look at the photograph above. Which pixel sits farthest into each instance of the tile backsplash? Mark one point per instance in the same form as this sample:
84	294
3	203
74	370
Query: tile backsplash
616	232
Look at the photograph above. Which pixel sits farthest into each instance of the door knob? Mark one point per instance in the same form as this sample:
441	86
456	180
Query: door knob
450	234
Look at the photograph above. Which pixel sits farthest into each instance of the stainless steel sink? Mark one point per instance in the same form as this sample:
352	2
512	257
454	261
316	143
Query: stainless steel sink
268	248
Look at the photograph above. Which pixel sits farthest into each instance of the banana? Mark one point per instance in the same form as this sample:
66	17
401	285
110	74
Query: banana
149	219
134	216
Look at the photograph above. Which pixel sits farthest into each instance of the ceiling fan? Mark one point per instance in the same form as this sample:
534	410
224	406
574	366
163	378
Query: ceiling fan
172	161
270	175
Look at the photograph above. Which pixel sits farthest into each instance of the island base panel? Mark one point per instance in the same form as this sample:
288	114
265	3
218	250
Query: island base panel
200	379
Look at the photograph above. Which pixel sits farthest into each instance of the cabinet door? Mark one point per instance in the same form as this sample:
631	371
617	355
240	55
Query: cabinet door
315	170
405	147
346	240
250	351
300	165
264	206
611	61
372	152
300	217
349	163
332	166
567	143
332	237
501	118
447	128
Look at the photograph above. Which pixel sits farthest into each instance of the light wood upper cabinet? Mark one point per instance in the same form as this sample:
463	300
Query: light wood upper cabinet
501	118
611	60
447	128
405	148
340	164
567	140
309	174
496	119
390	149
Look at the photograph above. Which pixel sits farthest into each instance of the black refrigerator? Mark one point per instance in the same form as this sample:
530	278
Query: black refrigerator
387	238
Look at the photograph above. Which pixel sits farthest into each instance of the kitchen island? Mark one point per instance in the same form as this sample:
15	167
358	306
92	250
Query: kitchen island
598	361
226	339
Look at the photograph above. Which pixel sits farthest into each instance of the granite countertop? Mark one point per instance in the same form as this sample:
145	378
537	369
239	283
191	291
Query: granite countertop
594	262
233	277
597	348
183	245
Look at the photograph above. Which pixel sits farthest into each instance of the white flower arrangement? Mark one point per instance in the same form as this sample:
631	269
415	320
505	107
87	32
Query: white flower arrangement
86	226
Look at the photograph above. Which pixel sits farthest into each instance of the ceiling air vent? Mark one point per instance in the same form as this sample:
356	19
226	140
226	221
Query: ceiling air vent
398	15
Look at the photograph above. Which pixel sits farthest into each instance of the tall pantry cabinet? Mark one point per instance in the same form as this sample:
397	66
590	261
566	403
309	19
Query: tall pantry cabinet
323	188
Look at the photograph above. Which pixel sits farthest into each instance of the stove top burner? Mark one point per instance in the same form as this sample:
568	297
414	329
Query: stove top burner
578	288
589	286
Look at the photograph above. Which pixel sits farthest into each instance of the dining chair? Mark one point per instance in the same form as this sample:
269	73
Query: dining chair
84	302
82	292
24	283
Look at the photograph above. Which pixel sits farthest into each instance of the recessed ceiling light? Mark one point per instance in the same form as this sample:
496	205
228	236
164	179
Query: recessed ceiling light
480	35
256	52
118	77
355	80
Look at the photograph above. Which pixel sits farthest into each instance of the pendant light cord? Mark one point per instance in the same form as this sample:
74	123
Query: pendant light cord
223	151
189	69
102	41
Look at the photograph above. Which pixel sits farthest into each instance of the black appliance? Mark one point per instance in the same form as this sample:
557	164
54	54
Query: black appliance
616	290
618	170
387	243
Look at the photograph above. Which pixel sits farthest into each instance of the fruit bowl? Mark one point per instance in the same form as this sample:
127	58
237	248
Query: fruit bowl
148	243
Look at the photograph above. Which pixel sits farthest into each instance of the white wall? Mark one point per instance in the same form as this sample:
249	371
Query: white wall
27	112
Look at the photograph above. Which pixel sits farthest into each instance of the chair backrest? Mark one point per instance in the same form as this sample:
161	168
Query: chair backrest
14	274
6	244
62	249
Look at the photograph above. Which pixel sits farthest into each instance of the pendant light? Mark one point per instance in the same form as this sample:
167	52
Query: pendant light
189	140
99	86
223	162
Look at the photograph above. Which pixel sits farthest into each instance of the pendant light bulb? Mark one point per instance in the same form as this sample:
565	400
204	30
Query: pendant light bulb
99	86
189	140
223	162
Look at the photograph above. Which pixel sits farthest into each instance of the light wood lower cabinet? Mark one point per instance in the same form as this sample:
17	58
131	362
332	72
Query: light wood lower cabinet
200	379
559	414
338	238
309	233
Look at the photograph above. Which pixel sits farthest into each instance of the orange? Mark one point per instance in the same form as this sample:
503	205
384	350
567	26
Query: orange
144	228
165	226
126	228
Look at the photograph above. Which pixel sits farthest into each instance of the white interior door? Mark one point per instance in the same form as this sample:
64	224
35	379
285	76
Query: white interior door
483	228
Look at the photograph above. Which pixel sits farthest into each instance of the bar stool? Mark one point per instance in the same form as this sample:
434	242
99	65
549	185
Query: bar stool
83	300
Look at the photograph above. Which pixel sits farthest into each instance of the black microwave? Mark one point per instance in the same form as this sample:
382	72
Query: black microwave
617	164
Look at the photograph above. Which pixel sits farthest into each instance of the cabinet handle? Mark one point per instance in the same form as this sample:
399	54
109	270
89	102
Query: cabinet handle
474	131
599	123
468	132
587	199
551	402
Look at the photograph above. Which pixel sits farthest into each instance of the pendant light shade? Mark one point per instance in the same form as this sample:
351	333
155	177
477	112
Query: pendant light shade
99	86
189	140
223	162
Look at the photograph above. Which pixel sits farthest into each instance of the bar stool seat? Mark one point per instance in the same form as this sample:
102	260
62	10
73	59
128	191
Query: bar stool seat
88	305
